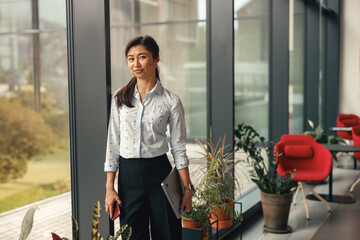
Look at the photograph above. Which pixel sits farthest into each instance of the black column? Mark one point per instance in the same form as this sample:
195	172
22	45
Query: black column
88	110
312	57
220	64
332	63
279	69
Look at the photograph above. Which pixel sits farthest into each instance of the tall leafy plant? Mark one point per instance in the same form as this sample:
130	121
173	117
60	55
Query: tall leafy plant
217	183
249	141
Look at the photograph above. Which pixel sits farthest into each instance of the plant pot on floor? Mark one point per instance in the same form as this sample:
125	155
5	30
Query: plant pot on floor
276	209
188	223
224	216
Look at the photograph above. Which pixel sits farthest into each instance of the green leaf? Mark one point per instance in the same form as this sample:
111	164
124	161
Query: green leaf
311	124
266	178
27	223
75	229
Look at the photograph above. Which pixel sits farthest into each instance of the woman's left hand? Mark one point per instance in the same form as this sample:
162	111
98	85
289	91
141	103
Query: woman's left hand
186	203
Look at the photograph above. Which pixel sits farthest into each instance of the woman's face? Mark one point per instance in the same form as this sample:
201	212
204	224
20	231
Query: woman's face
141	62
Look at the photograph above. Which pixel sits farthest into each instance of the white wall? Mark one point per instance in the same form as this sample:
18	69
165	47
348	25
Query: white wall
350	57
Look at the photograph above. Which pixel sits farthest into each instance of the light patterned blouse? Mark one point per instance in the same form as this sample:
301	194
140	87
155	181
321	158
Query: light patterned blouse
140	132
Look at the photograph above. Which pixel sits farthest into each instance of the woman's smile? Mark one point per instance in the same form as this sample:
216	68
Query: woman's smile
141	62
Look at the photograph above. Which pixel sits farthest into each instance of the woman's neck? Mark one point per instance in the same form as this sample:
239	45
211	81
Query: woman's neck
145	86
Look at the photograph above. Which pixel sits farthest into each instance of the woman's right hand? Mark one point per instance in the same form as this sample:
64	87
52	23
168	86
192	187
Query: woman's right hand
111	197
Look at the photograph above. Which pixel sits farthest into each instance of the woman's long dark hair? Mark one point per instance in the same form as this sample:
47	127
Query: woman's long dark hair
125	94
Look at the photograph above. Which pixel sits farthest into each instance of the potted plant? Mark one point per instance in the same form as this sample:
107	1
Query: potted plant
198	216
276	191
218	182
319	135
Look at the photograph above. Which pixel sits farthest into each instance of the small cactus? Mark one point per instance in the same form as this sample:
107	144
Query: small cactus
95	222
75	229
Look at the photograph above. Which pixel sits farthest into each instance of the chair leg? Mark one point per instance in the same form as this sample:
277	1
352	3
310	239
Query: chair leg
354	184
318	196
301	185
296	193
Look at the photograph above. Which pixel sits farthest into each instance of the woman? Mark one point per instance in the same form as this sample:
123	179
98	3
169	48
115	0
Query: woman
137	146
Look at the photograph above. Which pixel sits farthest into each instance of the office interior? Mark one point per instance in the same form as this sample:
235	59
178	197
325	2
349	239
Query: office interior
272	64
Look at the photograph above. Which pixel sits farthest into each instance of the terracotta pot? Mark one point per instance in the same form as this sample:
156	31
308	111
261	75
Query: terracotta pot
224	218
188	223
276	209
221	224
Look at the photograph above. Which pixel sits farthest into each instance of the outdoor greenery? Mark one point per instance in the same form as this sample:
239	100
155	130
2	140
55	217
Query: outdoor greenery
44	178
52	111
33	194
23	135
265	177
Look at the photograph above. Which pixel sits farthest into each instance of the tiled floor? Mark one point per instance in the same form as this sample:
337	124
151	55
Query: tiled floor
342	223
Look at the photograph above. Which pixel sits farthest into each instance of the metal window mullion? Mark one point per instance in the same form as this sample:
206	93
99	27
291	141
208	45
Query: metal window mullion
278	69
36	55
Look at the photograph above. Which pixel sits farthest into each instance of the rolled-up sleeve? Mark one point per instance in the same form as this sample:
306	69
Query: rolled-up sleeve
178	134
113	139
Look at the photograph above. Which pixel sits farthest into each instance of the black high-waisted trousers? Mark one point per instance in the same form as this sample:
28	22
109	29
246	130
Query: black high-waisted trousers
144	200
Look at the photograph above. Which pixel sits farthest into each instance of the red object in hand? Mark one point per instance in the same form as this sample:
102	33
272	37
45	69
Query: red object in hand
116	211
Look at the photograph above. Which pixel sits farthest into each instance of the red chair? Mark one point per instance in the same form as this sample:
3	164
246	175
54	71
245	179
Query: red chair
356	138
346	120
311	160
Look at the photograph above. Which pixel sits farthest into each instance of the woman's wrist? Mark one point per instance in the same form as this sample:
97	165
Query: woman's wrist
109	187
187	192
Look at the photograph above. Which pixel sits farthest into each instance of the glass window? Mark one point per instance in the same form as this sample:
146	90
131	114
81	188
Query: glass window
15	16
251	71
52	14
251	64
296	66
34	132
156	11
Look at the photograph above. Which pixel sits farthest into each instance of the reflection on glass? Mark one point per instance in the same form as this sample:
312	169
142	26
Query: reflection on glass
296	66
15	16
156	11
52	14
251	72
34	141
251	64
